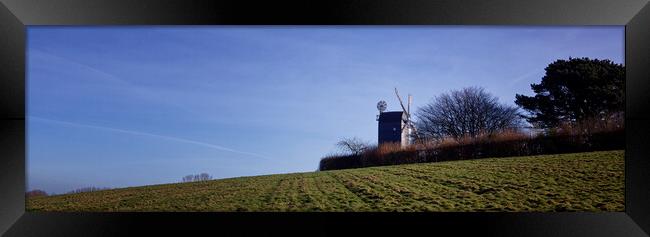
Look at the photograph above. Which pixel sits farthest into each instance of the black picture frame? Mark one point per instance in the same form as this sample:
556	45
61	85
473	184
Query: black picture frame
16	15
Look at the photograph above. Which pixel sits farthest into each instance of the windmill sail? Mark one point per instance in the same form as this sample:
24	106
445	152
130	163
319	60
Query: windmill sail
407	110
400	102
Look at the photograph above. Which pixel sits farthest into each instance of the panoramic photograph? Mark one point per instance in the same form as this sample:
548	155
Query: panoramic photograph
325	119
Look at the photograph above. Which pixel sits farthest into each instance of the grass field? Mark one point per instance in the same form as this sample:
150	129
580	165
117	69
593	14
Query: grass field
592	181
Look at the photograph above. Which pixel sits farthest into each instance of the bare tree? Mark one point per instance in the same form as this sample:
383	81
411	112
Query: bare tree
188	178
197	177
354	146
88	189
468	112
204	177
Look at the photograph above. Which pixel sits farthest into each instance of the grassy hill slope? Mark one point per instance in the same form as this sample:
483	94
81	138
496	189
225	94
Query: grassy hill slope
592	181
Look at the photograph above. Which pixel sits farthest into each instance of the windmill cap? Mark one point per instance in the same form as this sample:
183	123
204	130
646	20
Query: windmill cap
393	116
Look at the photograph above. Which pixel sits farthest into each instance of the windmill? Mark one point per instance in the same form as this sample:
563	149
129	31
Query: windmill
408	124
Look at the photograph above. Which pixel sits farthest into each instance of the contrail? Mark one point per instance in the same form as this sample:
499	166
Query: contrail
524	76
213	146
125	85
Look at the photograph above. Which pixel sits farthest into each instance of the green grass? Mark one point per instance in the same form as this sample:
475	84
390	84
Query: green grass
592	181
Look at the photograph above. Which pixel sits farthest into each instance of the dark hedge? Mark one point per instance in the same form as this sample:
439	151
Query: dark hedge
540	145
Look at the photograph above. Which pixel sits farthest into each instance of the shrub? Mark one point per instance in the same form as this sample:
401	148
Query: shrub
35	193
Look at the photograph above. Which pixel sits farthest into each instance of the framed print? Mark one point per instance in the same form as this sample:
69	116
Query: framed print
328	117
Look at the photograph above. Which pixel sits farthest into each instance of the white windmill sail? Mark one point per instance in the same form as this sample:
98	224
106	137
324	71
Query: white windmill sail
408	124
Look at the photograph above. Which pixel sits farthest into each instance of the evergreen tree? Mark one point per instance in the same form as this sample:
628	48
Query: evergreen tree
575	90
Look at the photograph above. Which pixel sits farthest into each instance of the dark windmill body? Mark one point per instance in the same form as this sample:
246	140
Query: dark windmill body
390	127
395	126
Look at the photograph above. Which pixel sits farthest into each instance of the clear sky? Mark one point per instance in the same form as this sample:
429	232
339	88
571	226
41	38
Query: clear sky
130	106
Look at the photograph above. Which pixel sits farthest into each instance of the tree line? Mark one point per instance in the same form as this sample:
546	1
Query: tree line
196	177
187	178
39	192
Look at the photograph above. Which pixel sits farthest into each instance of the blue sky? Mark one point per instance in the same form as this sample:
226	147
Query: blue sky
130	106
